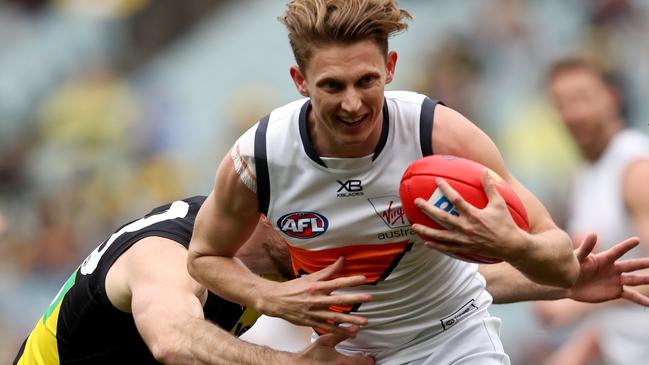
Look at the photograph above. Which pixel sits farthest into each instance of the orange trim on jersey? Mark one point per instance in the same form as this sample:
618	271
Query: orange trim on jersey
371	260
245	164
375	261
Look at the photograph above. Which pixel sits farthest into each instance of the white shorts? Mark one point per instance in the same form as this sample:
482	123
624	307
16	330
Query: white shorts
474	340
477	342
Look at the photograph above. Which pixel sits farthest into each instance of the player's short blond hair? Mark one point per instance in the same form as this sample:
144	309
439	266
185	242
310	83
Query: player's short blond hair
316	23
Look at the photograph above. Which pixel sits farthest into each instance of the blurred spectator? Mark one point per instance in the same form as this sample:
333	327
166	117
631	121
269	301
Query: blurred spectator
540	154
453	74
3	225
608	197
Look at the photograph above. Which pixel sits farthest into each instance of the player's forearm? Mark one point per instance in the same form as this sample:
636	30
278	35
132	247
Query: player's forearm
197	341
548	259
229	279
508	285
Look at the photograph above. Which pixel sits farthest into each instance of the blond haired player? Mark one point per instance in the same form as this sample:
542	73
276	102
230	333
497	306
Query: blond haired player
325	169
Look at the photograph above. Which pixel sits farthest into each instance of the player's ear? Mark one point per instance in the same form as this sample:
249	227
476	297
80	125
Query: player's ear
390	66
299	80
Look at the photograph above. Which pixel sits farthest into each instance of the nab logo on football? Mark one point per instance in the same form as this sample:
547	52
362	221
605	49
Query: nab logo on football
303	224
440	201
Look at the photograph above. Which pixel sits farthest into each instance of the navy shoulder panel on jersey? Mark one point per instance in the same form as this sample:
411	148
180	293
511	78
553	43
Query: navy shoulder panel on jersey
426	126
261	165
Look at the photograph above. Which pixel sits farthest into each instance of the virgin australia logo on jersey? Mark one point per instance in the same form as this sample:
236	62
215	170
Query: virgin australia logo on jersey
303	225
389	209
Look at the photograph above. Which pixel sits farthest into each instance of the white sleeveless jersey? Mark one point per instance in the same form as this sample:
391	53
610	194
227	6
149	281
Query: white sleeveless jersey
597	200
351	208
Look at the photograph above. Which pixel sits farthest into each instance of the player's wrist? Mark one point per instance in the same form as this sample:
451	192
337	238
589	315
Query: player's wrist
520	248
264	298
540	257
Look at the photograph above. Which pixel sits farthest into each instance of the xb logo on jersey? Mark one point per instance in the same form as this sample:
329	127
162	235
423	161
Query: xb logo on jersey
303	225
349	188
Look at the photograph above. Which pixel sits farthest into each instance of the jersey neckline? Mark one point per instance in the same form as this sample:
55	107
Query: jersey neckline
309	148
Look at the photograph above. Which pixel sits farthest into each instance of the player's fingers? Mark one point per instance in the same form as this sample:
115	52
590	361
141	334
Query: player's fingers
324	301
458	202
343	282
328	271
330	316
621	248
430	233
586	246
332	339
633	264
490	188
446	247
635	297
330	327
439	215
634	280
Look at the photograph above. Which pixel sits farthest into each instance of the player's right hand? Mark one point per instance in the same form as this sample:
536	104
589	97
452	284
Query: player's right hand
323	351
306	301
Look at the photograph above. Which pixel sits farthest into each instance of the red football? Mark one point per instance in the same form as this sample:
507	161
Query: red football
465	176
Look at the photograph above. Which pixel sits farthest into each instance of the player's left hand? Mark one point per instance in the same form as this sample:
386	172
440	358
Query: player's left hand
490	231
323	351
602	277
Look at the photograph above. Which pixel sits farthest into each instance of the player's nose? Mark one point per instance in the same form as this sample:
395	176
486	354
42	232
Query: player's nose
351	102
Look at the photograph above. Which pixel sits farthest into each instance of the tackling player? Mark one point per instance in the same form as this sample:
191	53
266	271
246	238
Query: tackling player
132	302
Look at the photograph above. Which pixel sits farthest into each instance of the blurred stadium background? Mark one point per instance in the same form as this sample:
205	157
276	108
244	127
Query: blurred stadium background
109	107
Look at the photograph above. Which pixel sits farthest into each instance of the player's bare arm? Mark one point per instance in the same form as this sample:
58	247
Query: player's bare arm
224	222
167	306
602	277
636	198
545	254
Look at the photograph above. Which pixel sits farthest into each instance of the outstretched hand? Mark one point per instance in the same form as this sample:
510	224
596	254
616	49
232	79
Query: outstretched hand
323	351
306	301
603	278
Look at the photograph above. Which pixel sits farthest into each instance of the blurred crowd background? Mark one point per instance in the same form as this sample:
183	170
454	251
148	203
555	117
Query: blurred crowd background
111	107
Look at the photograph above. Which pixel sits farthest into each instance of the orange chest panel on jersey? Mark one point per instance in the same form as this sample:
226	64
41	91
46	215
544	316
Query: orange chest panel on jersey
374	261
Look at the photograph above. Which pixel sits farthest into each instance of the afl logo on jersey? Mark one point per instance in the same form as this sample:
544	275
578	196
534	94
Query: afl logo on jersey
303	225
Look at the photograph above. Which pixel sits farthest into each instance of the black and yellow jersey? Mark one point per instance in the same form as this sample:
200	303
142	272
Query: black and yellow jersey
81	326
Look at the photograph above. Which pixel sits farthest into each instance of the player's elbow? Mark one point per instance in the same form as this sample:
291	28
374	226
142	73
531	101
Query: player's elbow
169	352
193	264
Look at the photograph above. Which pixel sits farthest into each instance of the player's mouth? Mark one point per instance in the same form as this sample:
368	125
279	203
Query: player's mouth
352	122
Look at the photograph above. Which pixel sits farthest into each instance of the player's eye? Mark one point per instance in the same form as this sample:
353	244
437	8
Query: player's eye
367	80
332	86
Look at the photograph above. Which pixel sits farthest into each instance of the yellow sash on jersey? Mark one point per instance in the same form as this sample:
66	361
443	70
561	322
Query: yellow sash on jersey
41	347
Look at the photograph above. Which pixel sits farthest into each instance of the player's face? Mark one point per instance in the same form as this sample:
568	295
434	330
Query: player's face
346	85
586	105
